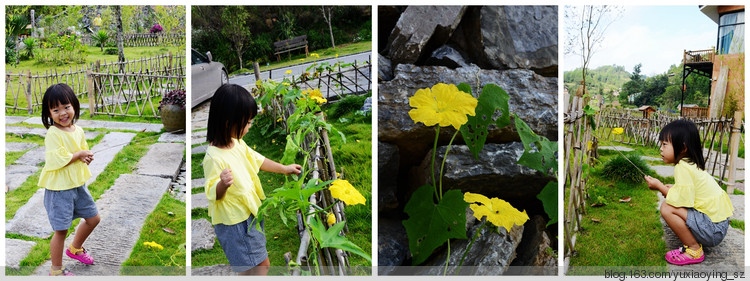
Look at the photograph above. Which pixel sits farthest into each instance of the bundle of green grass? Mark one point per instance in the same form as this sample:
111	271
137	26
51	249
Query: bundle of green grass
620	169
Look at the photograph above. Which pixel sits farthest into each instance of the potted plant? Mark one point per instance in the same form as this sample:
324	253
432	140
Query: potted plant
172	110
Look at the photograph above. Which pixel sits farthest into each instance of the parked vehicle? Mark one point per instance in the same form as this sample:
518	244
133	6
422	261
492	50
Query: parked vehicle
207	76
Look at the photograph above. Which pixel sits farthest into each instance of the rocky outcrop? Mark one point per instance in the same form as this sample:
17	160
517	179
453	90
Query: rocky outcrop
420	27
388	168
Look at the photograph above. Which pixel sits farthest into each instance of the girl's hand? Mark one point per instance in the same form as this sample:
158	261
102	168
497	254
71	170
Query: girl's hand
226	177
653	183
292	169
84	155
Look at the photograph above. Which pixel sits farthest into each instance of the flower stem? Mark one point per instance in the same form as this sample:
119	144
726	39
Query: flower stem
445	271
442	166
476	235
432	164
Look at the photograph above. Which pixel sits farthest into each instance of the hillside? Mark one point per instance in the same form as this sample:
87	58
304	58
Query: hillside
607	78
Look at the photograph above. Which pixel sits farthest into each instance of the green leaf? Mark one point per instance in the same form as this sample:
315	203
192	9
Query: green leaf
475	130
541	156
331	238
548	196
429	224
463	87
290	151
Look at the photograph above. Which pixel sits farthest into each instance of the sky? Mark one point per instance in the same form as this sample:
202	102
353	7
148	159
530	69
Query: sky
654	36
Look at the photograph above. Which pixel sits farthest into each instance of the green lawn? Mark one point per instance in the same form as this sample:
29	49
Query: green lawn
354	157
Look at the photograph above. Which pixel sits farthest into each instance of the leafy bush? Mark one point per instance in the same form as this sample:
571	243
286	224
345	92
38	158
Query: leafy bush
110	51
620	169
30	45
10	51
348	104
66	49
100	38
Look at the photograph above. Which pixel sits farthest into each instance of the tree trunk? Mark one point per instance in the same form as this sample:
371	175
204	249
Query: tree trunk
120	50
328	16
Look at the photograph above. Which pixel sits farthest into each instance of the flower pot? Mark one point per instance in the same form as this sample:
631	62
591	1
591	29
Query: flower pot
173	117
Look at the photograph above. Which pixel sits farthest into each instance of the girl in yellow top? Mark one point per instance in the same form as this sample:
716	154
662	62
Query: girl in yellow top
64	176
232	186
696	208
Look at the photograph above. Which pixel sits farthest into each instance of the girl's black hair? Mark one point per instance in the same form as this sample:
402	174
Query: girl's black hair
231	108
684	135
54	96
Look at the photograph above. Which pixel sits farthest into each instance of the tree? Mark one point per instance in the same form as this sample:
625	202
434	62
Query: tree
118	37
328	17
634	86
585	29
236	29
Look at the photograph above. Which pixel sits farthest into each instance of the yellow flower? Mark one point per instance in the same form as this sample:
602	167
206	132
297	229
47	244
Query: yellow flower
337	55
497	211
153	244
320	100
288	72
301	59
589	144
343	190
331	219
617	131
280	119
285	83
444	105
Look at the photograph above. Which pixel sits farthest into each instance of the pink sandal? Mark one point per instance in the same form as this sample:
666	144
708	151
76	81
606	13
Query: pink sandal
684	256
84	257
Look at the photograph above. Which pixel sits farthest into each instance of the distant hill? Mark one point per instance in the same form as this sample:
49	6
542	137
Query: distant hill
607	78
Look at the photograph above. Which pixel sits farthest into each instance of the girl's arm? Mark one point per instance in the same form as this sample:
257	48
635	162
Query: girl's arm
657	185
84	155
271	166
226	179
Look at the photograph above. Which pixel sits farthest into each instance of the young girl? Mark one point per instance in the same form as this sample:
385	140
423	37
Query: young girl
696	208
64	176
232	186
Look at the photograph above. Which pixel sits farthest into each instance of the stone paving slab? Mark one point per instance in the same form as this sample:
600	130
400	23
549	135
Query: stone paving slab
33	157
199	137
202	235
161	160
199	200
620	148
213	270
106	150
18	146
738	202
199	116
648	158
123	210
15	251
199	149
172	137
197	183
42	132
15	175
31	218
15	119
112	125
664	171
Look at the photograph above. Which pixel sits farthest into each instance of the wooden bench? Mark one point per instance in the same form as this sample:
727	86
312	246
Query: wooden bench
288	45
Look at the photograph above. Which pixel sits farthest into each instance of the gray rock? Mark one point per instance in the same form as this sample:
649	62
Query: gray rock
419	26
213	270
33	157
172	137
199	149
532	97
161	160
199	200
446	56
495	174
388	167
385	69
202	236
198	137
16	175
367	105
111	125
31	219
520	37
18	146
387	18
393	244
15	251
534	254
106	150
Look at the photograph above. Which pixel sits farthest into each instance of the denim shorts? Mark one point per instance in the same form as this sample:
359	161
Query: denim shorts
704	230
63	206
243	244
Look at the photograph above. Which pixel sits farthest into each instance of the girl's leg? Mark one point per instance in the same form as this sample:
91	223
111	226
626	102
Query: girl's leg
84	230
676	218
56	246
261	269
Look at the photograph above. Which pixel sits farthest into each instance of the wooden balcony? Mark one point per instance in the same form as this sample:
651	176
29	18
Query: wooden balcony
695	112
699	56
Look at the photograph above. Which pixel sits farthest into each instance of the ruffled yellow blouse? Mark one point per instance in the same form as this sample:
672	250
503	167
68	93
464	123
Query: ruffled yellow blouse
695	188
244	196
59	148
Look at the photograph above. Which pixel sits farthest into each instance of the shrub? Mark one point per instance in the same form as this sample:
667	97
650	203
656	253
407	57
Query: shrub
348	104
620	169
110	51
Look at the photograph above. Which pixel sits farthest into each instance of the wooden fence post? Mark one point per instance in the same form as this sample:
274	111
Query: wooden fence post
734	144
92	95
29	102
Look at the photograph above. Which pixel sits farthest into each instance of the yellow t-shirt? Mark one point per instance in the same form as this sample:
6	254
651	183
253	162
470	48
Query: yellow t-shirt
695	188
244	196
59	148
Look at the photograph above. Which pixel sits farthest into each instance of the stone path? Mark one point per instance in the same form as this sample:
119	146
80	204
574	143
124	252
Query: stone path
16	175
213	270
161	160
18	146
41	132
110	125
15	251
106	150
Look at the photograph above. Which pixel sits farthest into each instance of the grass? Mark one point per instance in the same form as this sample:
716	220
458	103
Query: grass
738	224
169	213
354	157
619	234
341	50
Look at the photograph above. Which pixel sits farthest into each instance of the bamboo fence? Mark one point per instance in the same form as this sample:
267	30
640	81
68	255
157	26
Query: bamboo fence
340	82
143	39
118	94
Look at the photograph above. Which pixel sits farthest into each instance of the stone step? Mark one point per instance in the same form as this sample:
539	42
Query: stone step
213	270
198	137
664	171
172	137
15	175
161	160
33	157
15	251
202	235
106	150
199	200
42	132
123	210
19	146
199	149
738	202
31	218
111	125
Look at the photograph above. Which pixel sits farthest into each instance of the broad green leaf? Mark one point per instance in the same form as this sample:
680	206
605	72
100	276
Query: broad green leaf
548	196
331	238
290	151
463	87
429	224
475	130
541	156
